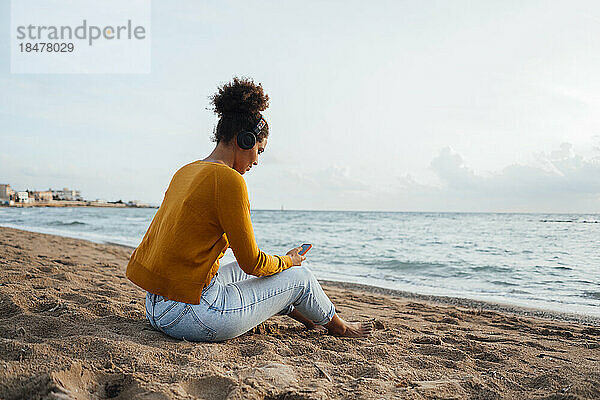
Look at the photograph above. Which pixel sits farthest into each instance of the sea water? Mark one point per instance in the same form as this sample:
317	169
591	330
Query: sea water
549	261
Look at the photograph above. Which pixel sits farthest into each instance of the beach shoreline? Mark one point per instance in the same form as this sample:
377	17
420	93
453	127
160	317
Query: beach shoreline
73	326
75	204
511	308
455	301
472	303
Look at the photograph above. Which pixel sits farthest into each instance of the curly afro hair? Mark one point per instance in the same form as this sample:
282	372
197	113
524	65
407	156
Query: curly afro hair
238	104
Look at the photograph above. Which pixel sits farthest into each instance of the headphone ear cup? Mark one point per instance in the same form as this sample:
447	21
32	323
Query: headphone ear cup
246	140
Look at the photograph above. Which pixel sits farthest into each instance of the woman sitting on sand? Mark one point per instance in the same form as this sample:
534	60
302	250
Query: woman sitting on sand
206	210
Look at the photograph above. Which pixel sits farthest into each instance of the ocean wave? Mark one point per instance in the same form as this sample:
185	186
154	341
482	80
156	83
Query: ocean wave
504	283
405	265
592	295
491	268
572	221
63	223
139	219
519	291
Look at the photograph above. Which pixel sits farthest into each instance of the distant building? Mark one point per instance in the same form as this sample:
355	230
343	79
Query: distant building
6	192
67	195
137	203
43	196
22	197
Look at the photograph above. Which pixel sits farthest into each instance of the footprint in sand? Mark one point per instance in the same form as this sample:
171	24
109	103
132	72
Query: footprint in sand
209	387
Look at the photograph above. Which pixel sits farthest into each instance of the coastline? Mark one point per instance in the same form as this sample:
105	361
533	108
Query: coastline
579	318
487	305
73	326
472	303
60	203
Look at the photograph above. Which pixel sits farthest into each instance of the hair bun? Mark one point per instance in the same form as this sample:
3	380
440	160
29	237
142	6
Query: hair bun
241	95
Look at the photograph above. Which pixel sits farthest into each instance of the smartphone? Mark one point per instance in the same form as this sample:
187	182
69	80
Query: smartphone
305	248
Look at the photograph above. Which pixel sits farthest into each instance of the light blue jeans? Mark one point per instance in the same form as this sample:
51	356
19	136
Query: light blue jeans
235	302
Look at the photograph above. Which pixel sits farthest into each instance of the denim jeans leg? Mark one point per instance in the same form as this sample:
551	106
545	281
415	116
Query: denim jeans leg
242	305
150	300
229	310
232	272
163	313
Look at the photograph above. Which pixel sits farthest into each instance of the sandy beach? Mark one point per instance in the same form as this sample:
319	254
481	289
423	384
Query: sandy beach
73	327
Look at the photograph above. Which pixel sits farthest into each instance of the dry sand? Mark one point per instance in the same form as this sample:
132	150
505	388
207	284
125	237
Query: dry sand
73	327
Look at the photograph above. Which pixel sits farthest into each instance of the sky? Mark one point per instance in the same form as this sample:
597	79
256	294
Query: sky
391	105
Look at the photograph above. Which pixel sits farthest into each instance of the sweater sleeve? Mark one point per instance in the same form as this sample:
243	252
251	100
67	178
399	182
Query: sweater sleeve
233	209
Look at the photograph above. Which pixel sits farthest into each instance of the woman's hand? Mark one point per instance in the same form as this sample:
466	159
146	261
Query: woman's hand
296	258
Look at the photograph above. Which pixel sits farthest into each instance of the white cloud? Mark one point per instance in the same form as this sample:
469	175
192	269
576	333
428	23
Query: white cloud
451	168
559	172
560	180
336	178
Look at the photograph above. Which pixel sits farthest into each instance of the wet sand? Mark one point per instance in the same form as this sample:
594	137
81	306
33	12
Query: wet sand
73	327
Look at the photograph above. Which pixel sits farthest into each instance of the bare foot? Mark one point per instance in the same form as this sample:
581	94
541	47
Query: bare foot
358	329
339	327
310	326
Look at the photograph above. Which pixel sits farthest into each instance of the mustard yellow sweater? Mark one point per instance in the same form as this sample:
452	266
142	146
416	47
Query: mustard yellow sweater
205	211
